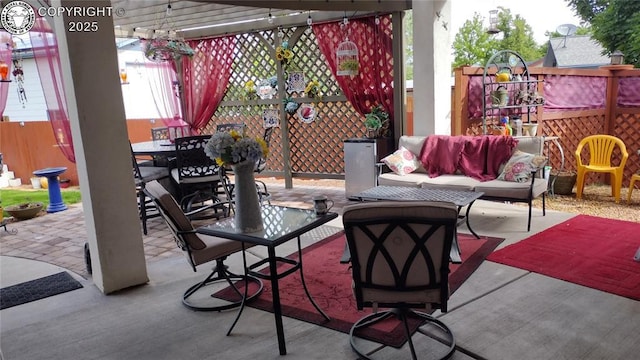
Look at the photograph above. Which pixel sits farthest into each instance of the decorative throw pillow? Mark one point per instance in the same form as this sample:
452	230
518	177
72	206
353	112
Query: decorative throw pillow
402	161
520	166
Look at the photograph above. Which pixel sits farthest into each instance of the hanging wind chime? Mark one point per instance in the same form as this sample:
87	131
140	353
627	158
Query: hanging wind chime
18	75
347	60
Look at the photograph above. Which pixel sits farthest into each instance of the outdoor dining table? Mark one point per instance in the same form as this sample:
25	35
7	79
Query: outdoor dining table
154	148
281	224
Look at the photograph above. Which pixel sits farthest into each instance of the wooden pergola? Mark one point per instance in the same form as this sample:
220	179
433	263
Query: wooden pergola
96	111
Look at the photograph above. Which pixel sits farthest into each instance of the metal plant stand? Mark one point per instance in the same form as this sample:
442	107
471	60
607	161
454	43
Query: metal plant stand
4	223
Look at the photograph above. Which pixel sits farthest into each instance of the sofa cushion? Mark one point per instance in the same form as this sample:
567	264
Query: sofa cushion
392	179
512	190
520	166
402	161
411	143
530	144
451	182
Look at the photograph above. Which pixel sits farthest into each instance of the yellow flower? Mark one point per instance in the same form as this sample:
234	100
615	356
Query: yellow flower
235	135
263	146
288	54
279	50
249	84
219	161
279	57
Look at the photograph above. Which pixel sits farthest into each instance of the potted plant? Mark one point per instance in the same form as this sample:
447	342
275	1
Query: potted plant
25	211
376	121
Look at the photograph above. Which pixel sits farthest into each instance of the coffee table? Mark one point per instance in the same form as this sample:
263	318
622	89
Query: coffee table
460	198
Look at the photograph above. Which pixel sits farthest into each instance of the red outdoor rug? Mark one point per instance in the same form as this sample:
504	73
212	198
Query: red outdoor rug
329	283
586	250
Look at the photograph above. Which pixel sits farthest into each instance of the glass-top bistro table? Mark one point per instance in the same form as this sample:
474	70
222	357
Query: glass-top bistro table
281	224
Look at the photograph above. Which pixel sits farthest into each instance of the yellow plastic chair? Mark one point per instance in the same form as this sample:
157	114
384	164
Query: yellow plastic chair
600	150
634	178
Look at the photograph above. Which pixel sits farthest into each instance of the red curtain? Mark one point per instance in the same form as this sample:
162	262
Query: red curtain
205	77
374	83
45	52
6	49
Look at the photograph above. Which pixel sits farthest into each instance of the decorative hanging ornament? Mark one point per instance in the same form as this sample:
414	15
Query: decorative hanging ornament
165	49
4	71
306	113
18	75
295	81
270	117
347	59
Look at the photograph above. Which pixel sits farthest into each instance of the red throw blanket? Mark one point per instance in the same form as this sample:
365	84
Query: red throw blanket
478	157
440	154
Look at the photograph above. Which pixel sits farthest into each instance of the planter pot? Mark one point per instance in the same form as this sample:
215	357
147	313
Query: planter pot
563	182
65	183
15	182
35	183
24	211
373	133
529	129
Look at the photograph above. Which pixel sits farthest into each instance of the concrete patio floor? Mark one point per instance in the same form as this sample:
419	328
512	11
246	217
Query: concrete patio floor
500	312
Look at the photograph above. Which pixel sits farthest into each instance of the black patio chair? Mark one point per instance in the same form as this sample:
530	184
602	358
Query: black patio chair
142	175
198	177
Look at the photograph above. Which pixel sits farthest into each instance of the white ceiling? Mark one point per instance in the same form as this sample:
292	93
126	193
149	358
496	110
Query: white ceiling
200	18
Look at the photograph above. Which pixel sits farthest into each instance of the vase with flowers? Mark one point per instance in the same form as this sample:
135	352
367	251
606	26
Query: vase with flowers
240	153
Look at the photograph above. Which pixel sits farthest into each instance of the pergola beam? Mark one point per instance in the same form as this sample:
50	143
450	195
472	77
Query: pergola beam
323	5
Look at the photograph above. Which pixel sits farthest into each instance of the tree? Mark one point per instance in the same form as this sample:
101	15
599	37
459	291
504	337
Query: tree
472	45
517	35
615	25
408	49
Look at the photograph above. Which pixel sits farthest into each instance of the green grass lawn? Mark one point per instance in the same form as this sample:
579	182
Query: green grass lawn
14	197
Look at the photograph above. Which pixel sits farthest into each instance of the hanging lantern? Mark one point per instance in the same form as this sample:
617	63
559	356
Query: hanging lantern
123	77
493	22
347	62
178	128
4	71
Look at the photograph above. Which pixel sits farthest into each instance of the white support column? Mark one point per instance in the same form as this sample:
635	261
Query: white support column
431	67
100	139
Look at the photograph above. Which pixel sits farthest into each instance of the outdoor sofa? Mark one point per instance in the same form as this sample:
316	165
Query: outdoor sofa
508	169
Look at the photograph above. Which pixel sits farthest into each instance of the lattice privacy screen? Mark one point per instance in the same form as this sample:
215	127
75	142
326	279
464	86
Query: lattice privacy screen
316	148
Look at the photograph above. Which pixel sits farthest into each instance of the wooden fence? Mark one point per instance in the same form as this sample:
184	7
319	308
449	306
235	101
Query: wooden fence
31	146
570	126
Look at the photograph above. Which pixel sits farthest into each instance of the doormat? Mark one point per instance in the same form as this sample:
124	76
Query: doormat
37	289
